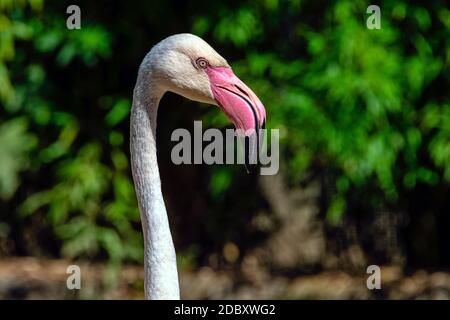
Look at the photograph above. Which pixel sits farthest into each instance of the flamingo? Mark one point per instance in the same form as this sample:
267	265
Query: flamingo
184	64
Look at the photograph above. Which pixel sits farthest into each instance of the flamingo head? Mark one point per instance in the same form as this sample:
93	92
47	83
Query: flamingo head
187	65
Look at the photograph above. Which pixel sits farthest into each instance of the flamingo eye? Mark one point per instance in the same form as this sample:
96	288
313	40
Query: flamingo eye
202	63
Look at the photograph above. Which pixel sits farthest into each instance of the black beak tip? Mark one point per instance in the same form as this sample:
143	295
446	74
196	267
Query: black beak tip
251	155
251	168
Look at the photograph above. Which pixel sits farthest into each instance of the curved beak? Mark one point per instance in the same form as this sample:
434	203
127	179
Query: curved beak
242	106
237	100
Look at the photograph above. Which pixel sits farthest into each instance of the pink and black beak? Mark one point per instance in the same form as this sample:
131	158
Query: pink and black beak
241	105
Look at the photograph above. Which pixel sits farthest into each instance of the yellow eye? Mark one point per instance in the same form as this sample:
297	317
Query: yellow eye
202	63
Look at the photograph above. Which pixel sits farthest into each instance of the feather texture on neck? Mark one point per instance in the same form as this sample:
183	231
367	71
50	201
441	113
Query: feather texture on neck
161	277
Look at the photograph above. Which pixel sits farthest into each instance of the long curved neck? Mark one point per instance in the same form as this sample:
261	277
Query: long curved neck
161	276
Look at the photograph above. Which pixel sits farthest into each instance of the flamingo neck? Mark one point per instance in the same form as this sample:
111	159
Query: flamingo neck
160	273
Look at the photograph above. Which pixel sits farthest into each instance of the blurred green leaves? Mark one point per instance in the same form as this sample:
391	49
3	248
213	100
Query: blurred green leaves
15	145
118	113
89	205
351	100
220	181
235	26
76	211
89	43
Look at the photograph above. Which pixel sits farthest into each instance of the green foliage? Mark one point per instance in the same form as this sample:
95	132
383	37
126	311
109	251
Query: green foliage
15	144
89	43
90	206
354	101
76	211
